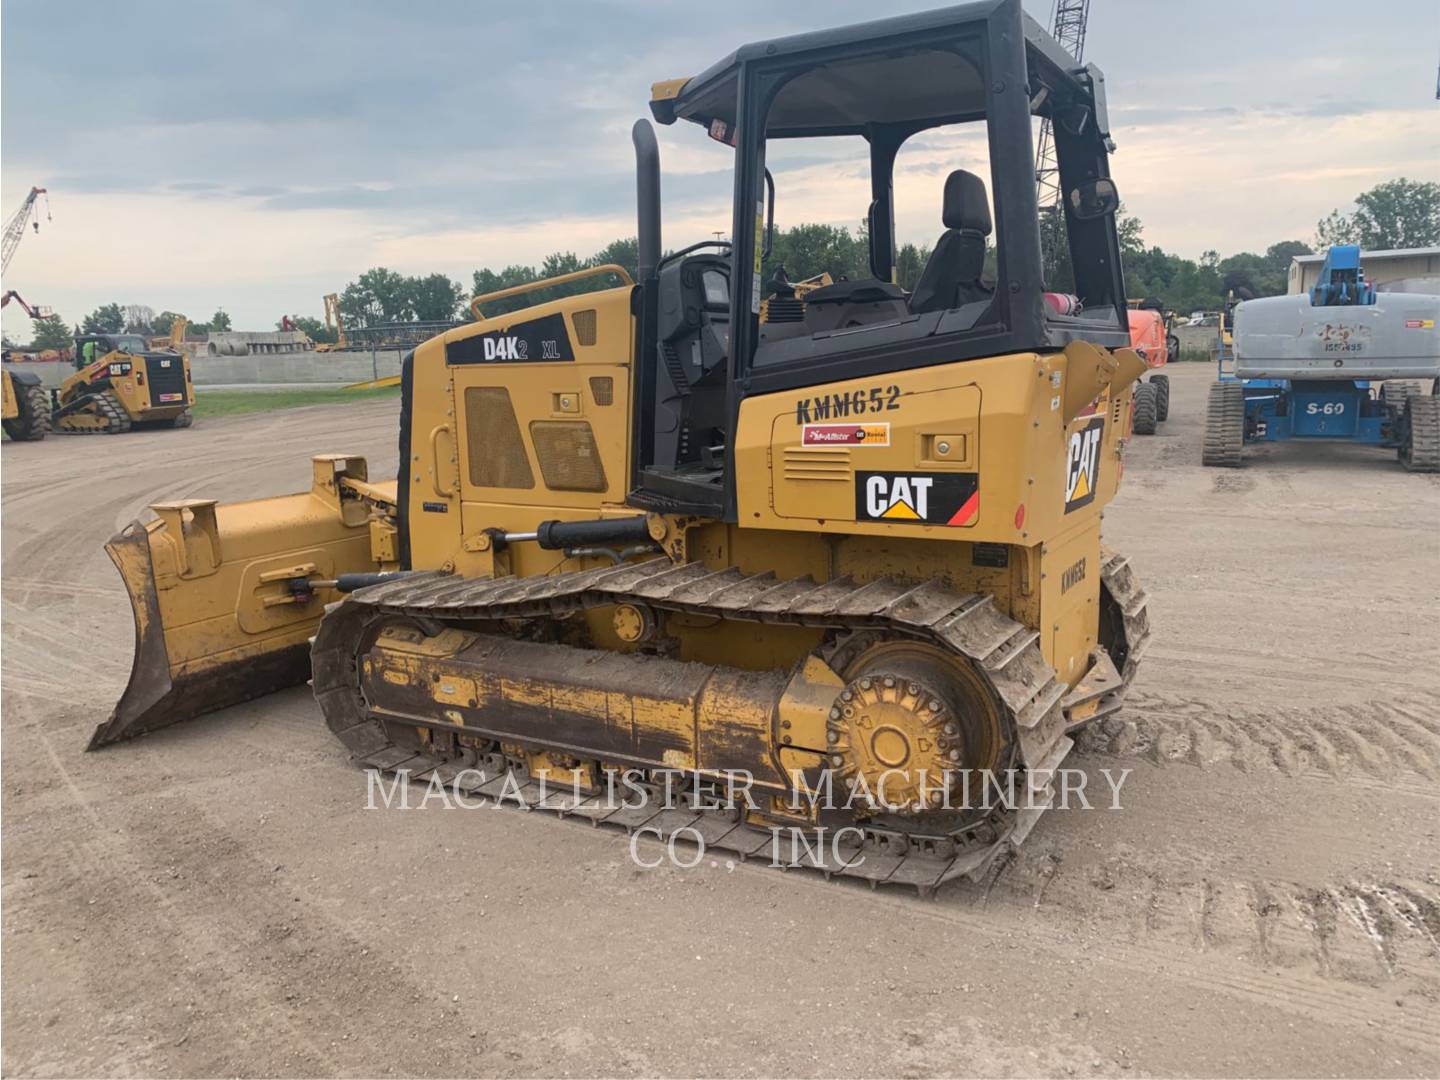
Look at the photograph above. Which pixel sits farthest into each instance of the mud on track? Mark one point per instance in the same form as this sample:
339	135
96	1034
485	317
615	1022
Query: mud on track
215	899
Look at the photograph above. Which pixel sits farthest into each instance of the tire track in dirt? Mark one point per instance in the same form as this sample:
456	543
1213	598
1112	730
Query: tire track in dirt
1395	740
102	865
1340	950
1352	954
246	949
1367	931
1266	667
1351	950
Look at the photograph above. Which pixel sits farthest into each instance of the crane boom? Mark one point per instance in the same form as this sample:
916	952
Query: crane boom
15	227
38	311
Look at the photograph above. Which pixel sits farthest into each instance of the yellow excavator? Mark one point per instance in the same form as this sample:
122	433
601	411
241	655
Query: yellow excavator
333	321
643	532
175	339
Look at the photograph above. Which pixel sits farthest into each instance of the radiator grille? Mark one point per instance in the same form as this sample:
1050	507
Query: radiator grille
166	376
602	389
569	459
817	463
493	443
584	326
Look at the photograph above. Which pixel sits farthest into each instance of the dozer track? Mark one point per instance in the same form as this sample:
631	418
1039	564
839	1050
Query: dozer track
1125	609
1004	652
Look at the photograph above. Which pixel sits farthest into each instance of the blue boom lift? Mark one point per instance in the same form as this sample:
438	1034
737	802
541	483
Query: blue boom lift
1340	363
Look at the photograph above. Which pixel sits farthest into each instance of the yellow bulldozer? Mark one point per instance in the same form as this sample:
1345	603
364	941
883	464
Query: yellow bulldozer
641	532
26	406
120	382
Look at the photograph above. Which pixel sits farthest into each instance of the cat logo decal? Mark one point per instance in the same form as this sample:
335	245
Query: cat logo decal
921	498
1082	464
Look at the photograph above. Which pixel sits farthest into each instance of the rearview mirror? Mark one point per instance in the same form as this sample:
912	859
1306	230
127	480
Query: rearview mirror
1094	200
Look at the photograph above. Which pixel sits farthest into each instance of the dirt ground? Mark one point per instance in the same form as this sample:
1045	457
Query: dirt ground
216	900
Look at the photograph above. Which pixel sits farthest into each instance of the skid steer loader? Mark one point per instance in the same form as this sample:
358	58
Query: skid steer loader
119	383
641	531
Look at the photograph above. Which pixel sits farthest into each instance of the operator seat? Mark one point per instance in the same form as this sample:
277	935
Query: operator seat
951	277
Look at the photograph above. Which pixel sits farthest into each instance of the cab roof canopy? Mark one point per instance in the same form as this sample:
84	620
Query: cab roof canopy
919	71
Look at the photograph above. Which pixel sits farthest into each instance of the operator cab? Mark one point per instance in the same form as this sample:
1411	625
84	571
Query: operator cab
91	347
718	324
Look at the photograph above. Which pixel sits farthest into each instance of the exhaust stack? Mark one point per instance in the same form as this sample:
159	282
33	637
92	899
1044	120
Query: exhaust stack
647	196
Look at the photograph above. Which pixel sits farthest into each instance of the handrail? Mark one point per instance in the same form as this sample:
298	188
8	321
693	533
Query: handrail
531	286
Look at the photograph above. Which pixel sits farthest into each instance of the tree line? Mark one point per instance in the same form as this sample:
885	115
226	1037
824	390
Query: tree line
1397	214
53	332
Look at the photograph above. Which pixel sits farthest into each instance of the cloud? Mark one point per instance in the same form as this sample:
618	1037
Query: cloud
261	146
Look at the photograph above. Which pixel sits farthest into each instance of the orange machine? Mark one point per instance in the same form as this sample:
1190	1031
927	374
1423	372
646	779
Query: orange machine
1149	339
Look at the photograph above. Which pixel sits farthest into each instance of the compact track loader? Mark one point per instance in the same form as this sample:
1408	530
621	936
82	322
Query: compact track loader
121	382
852	548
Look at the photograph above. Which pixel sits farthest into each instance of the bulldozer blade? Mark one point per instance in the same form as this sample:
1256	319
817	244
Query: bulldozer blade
222	612
160	694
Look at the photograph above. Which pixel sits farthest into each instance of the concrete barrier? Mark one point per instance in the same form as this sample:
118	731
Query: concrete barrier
52	372
295	367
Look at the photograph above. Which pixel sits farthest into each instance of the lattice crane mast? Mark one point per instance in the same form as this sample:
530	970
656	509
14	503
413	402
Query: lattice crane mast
15	227
1068	19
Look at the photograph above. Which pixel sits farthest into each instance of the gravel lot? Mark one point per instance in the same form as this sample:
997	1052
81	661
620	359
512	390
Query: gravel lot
216	900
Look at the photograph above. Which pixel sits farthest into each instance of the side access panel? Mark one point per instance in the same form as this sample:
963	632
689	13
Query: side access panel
519	419
1006	450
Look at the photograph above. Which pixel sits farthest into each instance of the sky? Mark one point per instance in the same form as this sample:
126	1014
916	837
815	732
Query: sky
256	155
